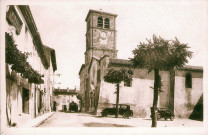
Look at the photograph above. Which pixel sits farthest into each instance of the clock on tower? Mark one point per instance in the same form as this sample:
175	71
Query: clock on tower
100	35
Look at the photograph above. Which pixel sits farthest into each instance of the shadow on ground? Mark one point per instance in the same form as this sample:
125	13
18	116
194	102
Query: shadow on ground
158	120
95	124
109	116
147	119
197	113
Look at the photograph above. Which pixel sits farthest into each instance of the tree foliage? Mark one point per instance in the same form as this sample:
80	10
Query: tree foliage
116	76
19	63
161	54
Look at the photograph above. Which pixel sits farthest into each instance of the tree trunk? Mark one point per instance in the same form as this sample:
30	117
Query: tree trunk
117	99
155	99
35	101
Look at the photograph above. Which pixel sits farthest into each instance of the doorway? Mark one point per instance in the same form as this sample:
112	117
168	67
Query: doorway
25	100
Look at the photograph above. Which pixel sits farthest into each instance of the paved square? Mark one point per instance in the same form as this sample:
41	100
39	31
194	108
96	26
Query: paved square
61	119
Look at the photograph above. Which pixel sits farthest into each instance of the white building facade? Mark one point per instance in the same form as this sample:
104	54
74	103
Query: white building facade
63	97
29	90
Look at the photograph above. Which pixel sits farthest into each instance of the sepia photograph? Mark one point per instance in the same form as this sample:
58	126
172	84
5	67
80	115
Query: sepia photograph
104	67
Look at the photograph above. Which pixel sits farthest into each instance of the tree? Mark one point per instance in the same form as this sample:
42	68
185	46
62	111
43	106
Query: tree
160	54
116	76
18	61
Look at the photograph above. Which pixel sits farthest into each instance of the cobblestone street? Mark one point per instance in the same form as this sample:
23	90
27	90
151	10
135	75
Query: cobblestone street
61	119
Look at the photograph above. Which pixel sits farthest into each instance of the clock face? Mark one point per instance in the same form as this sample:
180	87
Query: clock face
103	35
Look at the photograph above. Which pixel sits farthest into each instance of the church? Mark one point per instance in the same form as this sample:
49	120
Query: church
183	88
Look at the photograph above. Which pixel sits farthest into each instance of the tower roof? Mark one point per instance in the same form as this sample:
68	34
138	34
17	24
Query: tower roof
100	12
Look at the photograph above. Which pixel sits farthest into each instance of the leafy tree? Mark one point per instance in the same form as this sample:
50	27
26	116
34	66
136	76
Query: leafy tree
116	76
19	63
160	54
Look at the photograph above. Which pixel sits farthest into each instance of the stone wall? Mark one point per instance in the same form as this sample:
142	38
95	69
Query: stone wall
139	95
107	43
185	99
175	96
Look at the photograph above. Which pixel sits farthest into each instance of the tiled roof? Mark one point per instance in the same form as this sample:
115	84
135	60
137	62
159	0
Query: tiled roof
49	52
120	62
65	91
127	63
53	58
27	14
101	12
191	68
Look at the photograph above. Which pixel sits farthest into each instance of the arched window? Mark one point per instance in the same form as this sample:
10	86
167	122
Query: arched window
100	22
188	82
107	24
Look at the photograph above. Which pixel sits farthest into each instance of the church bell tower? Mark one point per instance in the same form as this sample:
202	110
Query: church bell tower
100	35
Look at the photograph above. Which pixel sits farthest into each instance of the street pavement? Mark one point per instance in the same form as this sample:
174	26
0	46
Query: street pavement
27	122
62	119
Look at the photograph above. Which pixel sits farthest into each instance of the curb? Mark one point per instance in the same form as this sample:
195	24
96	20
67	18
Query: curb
41	121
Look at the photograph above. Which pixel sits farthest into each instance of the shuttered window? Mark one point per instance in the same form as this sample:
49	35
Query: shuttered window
107	24
100	22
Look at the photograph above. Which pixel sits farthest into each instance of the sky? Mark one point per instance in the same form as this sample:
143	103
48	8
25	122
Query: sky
62	26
